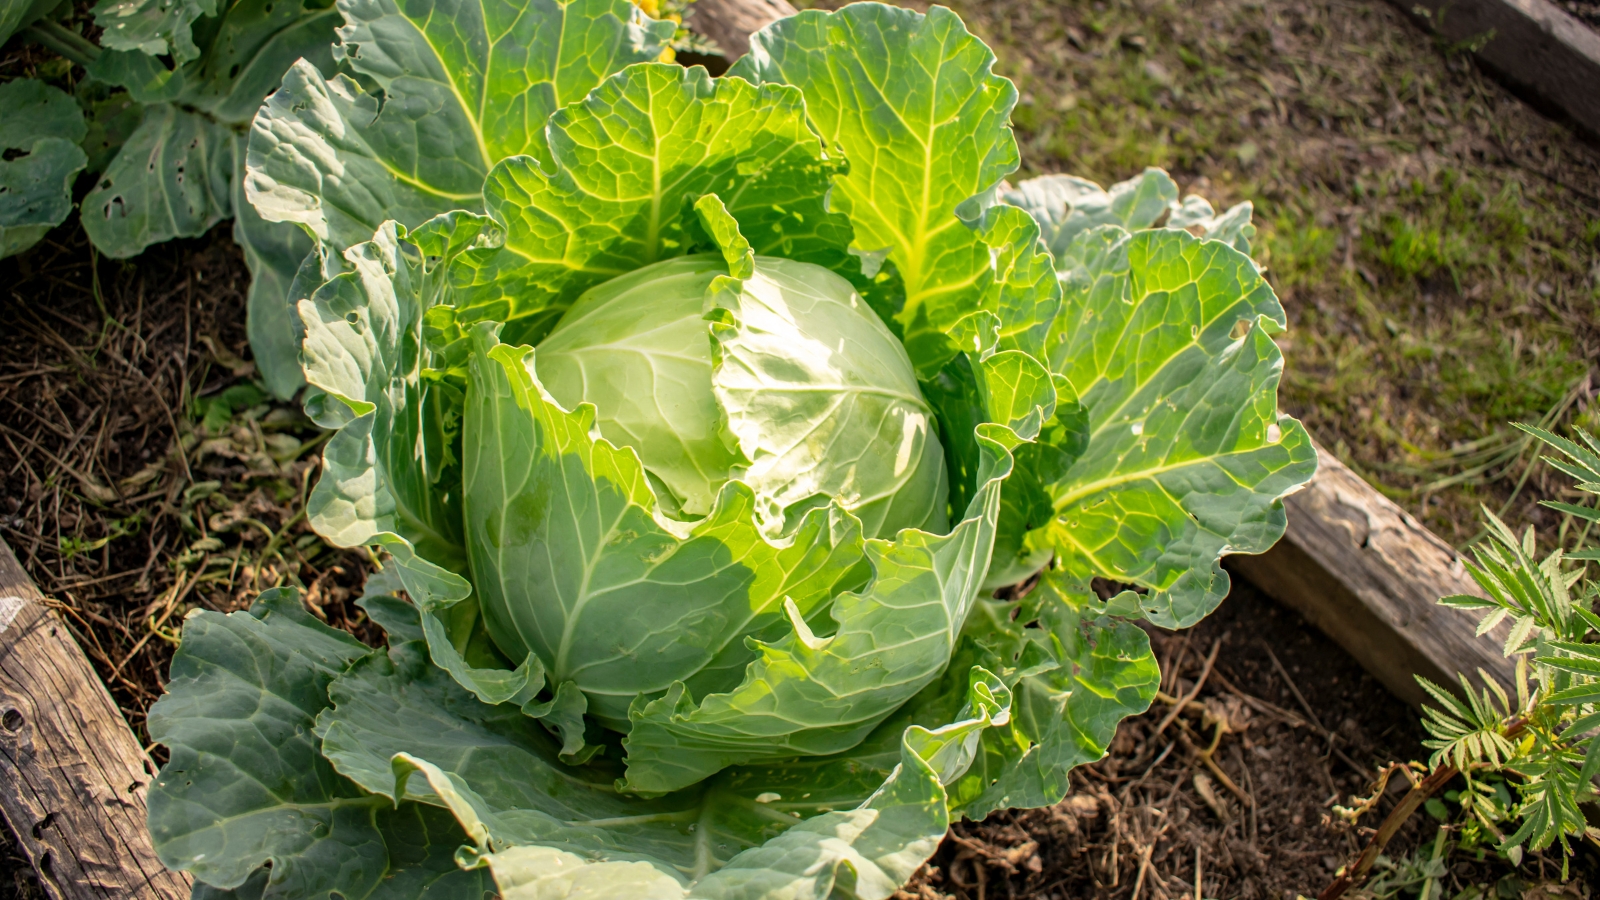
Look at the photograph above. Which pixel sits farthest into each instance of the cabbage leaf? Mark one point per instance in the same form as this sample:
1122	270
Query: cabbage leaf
45	125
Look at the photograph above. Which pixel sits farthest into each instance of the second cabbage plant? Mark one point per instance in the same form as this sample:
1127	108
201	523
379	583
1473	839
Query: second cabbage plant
700	420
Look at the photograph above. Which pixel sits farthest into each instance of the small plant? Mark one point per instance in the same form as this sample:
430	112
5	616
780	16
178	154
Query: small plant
1541	741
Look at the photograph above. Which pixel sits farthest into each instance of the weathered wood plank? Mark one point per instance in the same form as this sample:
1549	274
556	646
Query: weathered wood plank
731	22
1537	47
72	775
1369	576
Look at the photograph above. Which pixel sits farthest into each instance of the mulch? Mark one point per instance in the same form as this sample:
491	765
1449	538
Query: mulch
144	475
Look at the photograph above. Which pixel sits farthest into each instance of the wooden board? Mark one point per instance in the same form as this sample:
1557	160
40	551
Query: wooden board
1369	576
1540	49
72	775
731	22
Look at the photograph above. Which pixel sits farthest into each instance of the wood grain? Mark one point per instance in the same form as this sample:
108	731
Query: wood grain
1539	48
1369	576
731	22
72	775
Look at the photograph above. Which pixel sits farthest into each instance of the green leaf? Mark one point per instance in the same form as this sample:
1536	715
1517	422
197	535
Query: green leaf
402	728
245	784
248	51
112	117
536	872
1066	206
1166	342
383	469
1075	675
180	171
724	231
36	185
1014	387
275	253
171	179
508	770
464	85
16	15
1232	226
31	110
615	190
807	406
1025	292
986	384
809	694
895	112
152	27
1591	765
242	55
380	472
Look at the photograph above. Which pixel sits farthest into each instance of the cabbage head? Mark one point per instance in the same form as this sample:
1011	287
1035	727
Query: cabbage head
698	421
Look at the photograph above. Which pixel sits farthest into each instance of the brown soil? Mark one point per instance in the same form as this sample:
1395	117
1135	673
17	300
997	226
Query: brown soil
125	505
1143	798
148	477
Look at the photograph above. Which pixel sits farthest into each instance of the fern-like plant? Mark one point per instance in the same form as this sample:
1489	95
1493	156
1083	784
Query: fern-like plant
1546	742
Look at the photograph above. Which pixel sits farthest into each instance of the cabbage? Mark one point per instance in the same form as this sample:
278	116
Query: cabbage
698	425
811	396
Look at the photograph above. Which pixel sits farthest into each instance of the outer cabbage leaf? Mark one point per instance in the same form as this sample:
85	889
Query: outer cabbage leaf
403	730
465	85
36	185
363	329
1232	226
171	179
1066	205
152	27
615	190
1071	669
387	472
247	785
1075	670
275	254
963	392
1165	340
505	768
922	121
